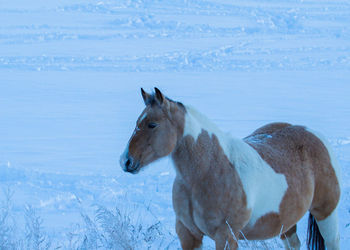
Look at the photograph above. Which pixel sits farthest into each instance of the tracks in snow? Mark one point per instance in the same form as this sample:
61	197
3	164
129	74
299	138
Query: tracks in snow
158	36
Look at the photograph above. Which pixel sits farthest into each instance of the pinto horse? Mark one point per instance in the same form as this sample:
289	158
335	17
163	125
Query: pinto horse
228	189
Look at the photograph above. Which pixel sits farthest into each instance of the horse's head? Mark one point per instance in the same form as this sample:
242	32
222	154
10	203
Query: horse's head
157	131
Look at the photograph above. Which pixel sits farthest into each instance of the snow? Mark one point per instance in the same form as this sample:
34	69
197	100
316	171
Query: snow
70	78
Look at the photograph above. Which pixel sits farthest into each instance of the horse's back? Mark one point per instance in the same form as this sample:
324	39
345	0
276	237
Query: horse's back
306	161
270	128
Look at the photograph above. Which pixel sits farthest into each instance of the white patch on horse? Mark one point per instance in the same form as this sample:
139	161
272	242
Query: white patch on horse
195	122
259	138
263	187
332	157
123	158
329	230
142	117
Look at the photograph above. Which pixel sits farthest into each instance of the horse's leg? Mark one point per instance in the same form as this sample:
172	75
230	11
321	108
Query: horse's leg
187	239
225	239
329	230
290	239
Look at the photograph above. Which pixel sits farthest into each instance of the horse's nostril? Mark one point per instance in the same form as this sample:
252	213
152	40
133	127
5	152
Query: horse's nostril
130	165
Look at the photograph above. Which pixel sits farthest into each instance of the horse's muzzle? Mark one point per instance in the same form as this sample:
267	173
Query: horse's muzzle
129	164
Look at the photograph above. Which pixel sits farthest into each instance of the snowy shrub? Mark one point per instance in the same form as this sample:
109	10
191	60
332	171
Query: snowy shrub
274	243
7	226
114	229
106	229
13	237
35	237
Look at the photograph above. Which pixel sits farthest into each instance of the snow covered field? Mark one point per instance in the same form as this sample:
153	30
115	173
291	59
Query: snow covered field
70	73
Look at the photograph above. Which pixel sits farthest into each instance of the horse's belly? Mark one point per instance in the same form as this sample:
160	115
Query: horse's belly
276	223
266	227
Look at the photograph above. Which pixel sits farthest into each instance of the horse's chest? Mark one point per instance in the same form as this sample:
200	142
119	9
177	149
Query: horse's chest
195	208
206	216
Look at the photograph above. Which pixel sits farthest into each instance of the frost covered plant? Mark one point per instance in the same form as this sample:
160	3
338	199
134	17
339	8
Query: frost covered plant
7	226
114	229
117	229
12	237
260	244
108	229
254	244
35	237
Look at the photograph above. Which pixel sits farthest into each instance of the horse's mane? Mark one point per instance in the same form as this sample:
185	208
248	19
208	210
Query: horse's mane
196	121
203	123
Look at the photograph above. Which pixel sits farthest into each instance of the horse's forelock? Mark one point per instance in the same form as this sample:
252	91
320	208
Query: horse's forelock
152	101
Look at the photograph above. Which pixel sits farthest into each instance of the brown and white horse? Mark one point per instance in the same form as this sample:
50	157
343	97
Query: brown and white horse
228	189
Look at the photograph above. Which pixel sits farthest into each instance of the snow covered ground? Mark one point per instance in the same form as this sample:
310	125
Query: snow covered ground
70	73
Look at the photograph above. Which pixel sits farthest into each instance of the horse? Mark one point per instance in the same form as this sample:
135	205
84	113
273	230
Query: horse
228	188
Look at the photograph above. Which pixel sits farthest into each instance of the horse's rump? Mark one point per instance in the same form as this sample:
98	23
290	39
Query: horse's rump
306	162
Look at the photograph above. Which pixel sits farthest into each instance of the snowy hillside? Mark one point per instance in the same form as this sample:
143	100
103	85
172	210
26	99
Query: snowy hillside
70	78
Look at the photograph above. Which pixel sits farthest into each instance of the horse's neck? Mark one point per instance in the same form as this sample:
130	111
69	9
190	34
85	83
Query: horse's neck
201	141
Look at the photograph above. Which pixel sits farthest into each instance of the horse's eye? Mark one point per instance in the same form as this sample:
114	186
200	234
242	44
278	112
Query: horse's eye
152	125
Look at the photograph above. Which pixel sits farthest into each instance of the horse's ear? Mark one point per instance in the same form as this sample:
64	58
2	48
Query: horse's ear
159	96
145	96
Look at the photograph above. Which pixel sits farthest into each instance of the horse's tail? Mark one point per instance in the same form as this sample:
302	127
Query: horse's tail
315	240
